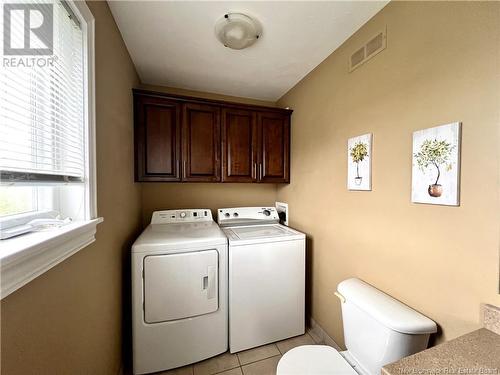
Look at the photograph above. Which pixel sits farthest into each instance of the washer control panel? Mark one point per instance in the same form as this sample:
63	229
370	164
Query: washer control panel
246	215
181	216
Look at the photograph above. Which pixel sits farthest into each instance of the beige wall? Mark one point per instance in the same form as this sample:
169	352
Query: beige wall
69	320
156	196
441	65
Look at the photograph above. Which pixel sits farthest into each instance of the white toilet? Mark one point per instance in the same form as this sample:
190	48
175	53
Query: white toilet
378	330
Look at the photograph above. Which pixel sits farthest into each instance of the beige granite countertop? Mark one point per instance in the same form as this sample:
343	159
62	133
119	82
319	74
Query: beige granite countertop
491	318
476	353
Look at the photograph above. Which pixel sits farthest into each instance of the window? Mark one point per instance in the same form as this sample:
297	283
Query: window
42	118
46	123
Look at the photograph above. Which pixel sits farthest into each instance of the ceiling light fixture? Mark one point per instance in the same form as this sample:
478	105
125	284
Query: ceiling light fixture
237	30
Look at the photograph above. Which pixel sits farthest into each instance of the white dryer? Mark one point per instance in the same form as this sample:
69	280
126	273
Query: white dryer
179	291
266	277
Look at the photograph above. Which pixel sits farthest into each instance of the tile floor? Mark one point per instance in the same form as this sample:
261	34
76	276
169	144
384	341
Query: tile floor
258	361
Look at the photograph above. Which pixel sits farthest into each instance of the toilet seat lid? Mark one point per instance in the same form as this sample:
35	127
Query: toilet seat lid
314	360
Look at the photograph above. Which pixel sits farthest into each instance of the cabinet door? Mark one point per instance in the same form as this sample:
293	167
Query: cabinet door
274	147
239	146
157	131
201	143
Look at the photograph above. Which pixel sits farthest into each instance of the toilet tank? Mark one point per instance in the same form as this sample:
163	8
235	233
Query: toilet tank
378	329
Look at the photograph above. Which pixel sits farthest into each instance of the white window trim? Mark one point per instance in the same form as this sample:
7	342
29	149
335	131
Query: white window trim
25	257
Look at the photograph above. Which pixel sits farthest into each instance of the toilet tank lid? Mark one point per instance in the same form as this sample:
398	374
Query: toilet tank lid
385	309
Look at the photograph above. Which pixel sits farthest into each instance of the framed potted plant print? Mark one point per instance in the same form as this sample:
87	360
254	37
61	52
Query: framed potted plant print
436	165
359	162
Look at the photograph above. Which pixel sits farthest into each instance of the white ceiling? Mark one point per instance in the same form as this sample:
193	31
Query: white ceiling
172	43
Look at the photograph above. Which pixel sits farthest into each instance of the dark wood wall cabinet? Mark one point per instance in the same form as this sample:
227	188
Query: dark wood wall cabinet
186	139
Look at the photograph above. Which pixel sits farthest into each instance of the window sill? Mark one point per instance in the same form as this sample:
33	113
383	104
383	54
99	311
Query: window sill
26	257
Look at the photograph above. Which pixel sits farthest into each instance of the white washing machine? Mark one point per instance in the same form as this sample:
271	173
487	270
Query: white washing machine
266	277
179	291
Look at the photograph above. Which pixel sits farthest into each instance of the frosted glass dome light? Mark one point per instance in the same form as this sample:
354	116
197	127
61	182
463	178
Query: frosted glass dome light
237	30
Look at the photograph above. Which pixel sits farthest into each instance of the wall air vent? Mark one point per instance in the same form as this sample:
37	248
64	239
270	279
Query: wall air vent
357	57
375	45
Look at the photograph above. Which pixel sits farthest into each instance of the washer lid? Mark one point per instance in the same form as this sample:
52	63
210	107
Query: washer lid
261	233
314	360
178	236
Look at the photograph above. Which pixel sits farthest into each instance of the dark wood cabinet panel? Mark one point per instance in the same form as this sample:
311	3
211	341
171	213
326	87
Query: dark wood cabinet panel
239	146
157	140
274	152
179	138
201	143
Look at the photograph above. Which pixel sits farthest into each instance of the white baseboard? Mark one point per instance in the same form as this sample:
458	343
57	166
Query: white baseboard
320	336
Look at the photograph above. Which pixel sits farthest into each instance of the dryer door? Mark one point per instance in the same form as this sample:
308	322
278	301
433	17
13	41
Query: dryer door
182	285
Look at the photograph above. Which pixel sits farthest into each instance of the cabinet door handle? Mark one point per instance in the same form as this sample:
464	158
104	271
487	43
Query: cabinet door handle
255	171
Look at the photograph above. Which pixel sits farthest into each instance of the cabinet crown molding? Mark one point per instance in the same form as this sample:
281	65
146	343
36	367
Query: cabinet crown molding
194	99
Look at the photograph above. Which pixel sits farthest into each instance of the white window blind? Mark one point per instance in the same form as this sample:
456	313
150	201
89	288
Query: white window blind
42	128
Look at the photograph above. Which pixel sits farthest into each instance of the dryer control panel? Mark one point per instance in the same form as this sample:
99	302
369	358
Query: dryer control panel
181	216
247	216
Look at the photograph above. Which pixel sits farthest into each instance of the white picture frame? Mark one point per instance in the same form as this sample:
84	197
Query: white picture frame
359	162
436	165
